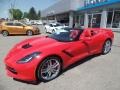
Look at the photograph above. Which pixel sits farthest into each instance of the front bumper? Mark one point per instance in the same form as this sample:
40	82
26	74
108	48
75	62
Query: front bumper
26	72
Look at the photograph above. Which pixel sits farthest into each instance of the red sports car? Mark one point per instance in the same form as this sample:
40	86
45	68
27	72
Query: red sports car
43	58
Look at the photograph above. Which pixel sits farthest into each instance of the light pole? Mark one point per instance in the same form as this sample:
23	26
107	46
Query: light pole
12	6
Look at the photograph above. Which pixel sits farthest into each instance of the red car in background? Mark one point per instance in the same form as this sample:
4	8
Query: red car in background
43	58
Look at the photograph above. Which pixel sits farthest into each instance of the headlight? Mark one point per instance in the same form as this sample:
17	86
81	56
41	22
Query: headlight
28	58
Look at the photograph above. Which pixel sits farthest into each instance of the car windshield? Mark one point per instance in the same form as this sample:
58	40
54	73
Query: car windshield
63	35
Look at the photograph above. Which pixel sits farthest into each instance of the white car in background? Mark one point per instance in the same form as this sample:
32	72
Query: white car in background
53	27
38	22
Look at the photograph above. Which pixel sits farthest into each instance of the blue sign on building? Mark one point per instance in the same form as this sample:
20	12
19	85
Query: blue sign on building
93	2
97	3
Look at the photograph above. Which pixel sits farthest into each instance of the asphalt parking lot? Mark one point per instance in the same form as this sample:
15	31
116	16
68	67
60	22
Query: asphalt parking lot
97	73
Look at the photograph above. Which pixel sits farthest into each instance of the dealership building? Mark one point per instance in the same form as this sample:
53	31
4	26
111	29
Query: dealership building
87	13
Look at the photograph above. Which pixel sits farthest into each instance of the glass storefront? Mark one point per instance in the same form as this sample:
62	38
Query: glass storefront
113	19
94	20
79	20
116	20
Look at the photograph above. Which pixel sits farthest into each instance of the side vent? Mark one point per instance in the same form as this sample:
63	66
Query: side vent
67	53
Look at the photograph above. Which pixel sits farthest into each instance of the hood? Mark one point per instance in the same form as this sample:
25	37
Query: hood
36	42
31	45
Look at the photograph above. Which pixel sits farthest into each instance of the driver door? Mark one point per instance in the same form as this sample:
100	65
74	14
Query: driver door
92	40
19	28
78	50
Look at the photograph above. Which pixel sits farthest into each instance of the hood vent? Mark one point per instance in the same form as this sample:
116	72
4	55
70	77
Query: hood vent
26	46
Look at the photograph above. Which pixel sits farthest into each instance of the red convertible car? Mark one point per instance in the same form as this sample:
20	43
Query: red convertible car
43	58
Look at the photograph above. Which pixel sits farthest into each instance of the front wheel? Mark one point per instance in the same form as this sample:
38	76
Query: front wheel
5	33
49	69
106	47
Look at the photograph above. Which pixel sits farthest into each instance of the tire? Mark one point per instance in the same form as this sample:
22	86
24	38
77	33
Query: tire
5	33
29	33
106	47
53	31
49	69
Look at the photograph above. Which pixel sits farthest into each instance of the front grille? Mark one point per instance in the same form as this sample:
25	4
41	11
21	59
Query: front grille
11	70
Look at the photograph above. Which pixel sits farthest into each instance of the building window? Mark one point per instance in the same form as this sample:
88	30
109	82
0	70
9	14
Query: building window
81	20
109	19
116	20
113	19
94	20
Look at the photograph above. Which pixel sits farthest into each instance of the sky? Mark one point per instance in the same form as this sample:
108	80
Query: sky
24	5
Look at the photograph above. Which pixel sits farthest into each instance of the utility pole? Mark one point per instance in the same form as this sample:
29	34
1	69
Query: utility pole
12	6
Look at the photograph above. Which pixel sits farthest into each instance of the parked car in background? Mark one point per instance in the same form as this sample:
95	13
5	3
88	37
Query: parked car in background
27	23
39	22
46	56
7	28
53	27
36	22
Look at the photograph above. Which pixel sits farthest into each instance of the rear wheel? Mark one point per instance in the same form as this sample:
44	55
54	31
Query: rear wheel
49	69
107	47
5	33
29	33
53	31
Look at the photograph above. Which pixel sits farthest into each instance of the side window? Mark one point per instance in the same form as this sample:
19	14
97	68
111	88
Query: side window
18	24
9	24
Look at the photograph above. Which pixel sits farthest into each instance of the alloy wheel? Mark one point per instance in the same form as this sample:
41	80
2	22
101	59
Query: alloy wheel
107	47
5	33
49	69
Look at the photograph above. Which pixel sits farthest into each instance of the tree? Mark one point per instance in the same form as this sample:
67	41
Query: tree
25	15
39	14
32	15
16	14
